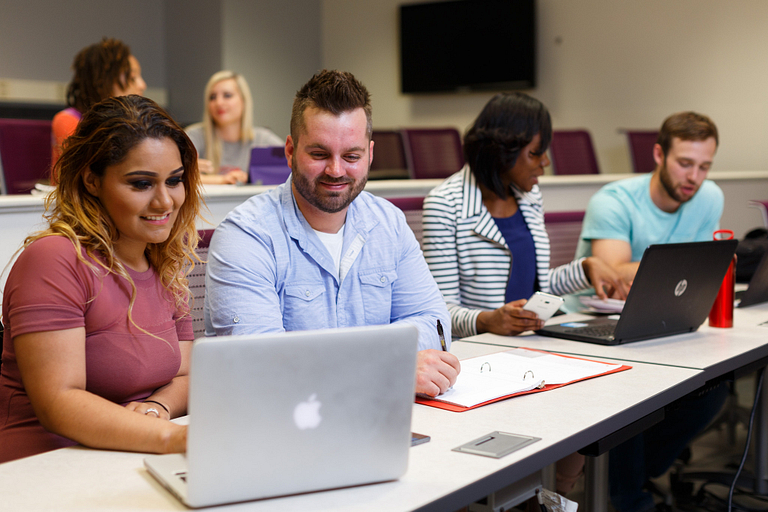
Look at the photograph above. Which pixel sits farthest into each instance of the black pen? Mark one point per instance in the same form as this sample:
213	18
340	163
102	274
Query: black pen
441	336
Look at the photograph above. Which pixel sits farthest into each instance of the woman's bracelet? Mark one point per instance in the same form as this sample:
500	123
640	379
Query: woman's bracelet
158	403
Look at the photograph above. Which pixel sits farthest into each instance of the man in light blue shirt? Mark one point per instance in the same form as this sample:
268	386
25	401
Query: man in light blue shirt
319	252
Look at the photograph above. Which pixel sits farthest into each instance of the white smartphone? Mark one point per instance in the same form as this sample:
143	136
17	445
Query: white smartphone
544	304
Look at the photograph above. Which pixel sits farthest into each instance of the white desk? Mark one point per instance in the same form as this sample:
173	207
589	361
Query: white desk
713	350
437	479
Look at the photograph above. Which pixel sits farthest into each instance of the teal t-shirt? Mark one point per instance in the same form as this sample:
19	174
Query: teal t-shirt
623	210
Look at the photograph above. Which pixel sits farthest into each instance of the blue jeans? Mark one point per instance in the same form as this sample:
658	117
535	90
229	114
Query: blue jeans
651	453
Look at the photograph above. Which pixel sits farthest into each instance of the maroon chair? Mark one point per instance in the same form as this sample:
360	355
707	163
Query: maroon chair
572	152
197	283
432	153
25	154
564	229
413	207
641	144
389	161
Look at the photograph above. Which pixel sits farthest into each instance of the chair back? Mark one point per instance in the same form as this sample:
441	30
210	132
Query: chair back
197	283
572	152
564	230
389	160
268	166
641	144
25	154
413	208
433	153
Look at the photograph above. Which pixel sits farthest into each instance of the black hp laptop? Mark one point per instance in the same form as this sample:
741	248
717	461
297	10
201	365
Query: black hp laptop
673	291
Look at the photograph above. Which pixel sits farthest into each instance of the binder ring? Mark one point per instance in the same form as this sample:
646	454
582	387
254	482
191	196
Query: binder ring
483	366
525	375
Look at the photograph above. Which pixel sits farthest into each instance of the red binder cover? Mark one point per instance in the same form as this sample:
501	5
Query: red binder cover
458	408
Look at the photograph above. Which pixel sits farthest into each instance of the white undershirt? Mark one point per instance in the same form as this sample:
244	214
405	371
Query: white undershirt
333	242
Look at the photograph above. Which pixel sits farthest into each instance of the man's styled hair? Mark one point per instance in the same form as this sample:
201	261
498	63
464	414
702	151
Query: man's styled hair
507	123
333	91
686	126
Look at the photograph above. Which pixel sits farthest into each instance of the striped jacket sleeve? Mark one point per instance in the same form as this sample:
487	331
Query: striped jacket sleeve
441	252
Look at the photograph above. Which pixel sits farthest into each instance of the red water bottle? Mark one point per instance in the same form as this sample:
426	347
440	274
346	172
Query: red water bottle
721	314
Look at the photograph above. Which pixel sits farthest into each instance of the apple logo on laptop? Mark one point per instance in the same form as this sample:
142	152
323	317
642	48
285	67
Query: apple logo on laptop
307	414
680	288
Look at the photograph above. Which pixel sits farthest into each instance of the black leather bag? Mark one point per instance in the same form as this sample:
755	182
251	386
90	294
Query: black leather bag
749	253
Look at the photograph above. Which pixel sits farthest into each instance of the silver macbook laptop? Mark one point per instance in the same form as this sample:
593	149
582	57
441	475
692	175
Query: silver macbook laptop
294	412
672	293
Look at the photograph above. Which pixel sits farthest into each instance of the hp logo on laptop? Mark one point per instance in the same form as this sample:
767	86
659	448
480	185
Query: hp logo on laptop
680	288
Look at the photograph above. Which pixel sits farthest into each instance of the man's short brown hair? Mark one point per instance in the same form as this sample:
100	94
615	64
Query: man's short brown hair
686	126
333	91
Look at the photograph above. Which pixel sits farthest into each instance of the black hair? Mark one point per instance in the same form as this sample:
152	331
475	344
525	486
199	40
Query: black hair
507	123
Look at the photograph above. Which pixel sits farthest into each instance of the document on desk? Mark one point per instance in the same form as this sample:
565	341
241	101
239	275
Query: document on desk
502	375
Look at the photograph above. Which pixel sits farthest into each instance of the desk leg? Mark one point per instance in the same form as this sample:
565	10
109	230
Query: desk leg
596	483
761	445
549	477
510	496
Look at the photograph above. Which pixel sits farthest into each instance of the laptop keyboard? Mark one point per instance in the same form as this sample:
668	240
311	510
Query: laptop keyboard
596	331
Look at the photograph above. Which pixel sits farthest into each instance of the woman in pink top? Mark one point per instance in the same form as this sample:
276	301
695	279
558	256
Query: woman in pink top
97	327
102	70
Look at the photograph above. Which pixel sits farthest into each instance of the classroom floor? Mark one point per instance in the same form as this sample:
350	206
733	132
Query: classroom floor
712	451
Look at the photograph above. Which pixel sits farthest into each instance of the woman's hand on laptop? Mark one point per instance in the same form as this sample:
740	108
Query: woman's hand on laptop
436	371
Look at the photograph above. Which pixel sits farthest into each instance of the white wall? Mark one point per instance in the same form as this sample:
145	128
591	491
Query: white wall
274	44
179	43
39	38
193	51
602	64
618	63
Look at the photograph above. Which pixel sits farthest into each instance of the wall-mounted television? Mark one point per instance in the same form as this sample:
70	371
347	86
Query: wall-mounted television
466	45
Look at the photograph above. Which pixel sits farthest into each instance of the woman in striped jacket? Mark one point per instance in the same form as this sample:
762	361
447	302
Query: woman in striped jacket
484	235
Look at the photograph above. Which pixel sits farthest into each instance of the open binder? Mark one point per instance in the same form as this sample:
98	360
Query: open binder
487	379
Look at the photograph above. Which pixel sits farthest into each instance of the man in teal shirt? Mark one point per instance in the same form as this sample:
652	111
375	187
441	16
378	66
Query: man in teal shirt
675	203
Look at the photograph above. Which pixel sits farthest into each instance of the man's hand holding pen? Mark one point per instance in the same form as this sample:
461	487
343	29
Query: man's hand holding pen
436	371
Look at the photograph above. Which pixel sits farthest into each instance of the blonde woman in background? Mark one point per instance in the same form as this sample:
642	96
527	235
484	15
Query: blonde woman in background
226	136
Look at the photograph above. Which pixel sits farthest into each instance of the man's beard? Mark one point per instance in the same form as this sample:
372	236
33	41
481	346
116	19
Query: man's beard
672	191
327	201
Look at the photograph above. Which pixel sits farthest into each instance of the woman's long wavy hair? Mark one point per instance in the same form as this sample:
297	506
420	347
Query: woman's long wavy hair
103	138
212	141
507	123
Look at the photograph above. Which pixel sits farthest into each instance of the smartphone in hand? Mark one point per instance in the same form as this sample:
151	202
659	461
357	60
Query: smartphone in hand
544	304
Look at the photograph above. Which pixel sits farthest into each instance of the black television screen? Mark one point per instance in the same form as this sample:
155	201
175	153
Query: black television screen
465	45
